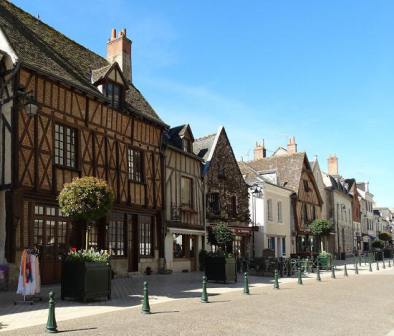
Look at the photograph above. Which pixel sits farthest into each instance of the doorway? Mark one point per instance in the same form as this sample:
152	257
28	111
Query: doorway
133	242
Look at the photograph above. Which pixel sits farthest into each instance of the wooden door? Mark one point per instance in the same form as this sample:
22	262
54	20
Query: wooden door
133	242
50	235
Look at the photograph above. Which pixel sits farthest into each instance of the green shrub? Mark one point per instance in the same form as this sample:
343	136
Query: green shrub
220	235
87	198
88	256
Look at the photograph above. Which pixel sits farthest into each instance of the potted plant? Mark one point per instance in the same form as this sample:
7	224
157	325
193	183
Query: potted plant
85	200
378	246
86	275
220	265
321	228
386	238
324	259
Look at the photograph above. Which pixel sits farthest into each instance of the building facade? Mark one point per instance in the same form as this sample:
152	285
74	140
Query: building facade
184	201
91	121
293	171
225	189
271	214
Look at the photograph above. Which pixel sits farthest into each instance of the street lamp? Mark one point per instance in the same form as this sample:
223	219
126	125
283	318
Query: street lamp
255	193
26	100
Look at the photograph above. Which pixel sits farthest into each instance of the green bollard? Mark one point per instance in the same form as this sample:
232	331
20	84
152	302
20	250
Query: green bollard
318	277
356	269
345	271
333	272
299	276
51	323
384	264
359	261
377	265
145	302
389	263
204	294
370	266
246	284
276	279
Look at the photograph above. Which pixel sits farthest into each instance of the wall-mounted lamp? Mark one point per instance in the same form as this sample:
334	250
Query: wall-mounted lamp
27	100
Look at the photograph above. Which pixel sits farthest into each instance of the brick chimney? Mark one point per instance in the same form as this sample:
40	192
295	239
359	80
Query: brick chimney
119	50
259	151
292	146
332	165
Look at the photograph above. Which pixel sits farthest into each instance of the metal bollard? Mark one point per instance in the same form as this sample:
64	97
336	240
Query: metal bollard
389	263
377	265
370	266
356	269
384	264
276	279
145	302
246	284
204	294
345	271
318	277
359	260
299	276
333	272
51	323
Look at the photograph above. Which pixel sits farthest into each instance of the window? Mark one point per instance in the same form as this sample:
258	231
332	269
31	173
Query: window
280	219
145	235
115	237
178	245
269	209
50	228
283	246
135	166
93	237
186	145
233	206
314	212
65	146
305	213
271	243
213	203
114	92
221	171
306	186
187	192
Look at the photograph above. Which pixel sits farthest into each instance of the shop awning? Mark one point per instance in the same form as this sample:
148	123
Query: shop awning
186	231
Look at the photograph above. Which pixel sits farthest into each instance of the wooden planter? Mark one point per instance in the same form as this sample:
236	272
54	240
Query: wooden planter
324	262
220	269
86	280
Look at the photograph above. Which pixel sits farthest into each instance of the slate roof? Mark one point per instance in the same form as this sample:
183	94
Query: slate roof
173	136
287	167
202	147
45	50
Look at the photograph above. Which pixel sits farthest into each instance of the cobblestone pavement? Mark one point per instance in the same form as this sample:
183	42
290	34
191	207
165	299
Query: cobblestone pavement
164	289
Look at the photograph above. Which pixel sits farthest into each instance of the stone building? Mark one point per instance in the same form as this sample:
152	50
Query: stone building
225	189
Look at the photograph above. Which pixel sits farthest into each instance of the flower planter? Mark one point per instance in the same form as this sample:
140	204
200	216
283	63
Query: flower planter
86	280
219	268
324	262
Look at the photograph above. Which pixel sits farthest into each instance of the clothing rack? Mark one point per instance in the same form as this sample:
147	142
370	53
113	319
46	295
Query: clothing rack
30	299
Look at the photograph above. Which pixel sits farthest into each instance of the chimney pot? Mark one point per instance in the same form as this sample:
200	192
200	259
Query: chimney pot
259	151
119	50
333	165
292	146
113	34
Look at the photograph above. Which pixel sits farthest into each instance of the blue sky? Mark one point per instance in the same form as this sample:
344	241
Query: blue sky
322	71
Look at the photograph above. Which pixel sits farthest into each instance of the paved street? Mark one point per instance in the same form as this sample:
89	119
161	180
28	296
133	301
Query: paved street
332	307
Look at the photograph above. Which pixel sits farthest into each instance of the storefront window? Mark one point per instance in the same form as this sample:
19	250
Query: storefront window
115	237
178	245
146	236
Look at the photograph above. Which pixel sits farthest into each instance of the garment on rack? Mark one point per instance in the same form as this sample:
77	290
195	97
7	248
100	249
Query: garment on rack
29	282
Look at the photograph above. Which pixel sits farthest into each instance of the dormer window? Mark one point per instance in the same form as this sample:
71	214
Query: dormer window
114	92
186	144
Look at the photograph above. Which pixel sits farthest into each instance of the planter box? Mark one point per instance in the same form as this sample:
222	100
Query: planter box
325	262
388	253
220	269
86	281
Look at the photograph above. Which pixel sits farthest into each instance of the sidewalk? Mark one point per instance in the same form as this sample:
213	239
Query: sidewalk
127	292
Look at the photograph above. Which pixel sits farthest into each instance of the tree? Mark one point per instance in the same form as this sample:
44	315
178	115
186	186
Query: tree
377	244
320	228
220	236
385	236
86	199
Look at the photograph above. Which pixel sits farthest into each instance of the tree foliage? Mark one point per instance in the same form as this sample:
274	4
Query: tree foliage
385	236
320	227
377	244
221	236
87	198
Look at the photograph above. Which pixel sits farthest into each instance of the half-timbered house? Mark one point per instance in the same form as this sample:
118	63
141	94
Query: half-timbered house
227	197
184	201
292	170
91	120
